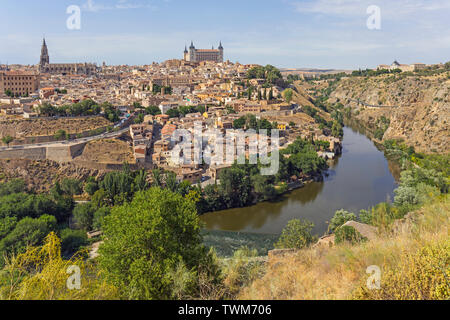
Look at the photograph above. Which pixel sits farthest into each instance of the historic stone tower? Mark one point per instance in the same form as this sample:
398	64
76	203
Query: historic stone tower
186	53
192	52
220	52
45	59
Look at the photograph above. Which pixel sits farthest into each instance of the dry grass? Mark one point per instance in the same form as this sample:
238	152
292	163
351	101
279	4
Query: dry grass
20	127
413	257
108	151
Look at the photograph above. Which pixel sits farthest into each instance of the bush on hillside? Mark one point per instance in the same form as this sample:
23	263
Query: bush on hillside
348	234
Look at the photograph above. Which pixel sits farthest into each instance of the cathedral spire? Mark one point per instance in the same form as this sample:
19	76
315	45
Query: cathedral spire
44	60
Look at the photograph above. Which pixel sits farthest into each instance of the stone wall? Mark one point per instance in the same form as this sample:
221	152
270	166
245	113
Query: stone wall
58	153
31	153
51	138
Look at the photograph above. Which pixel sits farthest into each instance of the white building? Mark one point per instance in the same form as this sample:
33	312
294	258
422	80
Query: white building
166	106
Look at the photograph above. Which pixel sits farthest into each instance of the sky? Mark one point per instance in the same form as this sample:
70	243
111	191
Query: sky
284	33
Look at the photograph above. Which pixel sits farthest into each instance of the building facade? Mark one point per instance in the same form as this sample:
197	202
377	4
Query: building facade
403	67
63	68
18	83
199	55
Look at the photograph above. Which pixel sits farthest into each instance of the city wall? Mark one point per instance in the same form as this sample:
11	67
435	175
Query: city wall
38	153
55	153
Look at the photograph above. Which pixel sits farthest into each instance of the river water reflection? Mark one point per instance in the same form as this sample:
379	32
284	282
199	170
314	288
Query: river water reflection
358	179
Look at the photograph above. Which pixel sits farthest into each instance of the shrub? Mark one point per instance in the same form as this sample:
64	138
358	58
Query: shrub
13	186
91	188
419	275
340	217
83	215
72	241
147	239
348	234
71	186
296	235
27	232
99	217
241	270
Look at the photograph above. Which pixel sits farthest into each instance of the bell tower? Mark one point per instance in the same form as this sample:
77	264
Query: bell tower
220	52
45	59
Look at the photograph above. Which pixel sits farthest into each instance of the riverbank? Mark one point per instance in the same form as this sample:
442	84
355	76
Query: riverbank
361	177
413	255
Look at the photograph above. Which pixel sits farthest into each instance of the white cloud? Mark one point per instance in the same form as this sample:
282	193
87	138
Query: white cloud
92	6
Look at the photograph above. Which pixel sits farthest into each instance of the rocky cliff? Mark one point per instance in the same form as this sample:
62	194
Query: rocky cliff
417	107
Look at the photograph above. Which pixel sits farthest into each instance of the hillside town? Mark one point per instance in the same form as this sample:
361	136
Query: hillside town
151	102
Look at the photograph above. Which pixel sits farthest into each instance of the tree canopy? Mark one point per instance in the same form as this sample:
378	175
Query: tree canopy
147	239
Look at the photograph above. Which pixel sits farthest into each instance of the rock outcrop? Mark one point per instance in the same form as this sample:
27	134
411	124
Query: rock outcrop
419	112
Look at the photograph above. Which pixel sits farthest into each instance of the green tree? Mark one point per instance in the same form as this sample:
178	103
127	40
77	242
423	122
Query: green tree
173	113
340	217
348	234
99	217
171	181
61	135
156	173
99	199
140	181
71	186
263	187
146	240
72	241
153	110
27	232
239	123
13	186
296	235
139	118
83	215
117	186
287	95
91	187
235	187
7	140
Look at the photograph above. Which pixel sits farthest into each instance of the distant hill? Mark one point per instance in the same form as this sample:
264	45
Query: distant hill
311	71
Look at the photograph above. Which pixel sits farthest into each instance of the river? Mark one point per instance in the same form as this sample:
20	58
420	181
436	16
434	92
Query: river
361	177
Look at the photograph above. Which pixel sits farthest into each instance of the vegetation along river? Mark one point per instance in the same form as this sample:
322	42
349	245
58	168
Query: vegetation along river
361	177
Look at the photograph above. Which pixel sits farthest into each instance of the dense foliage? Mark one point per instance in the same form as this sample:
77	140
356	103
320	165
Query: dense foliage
296	235
347	234
269	73
149	241
27	218
86	107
